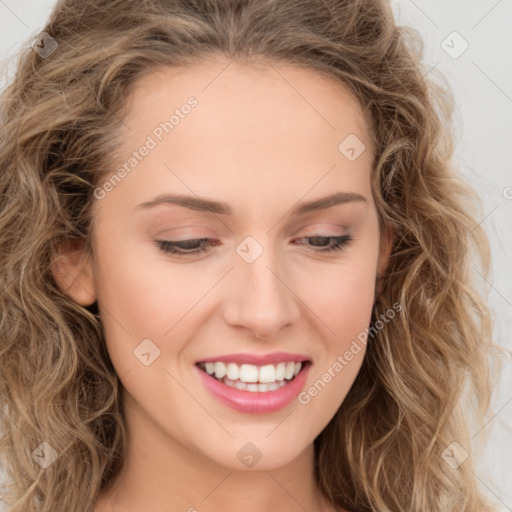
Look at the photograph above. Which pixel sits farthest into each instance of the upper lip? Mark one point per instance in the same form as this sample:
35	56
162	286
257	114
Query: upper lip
257	359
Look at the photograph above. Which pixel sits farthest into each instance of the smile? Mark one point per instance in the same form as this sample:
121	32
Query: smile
269	377
251	388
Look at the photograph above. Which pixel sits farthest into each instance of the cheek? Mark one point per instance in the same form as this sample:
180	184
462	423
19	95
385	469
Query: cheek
142	293
342	294
342	303
130	303
143	298
346	297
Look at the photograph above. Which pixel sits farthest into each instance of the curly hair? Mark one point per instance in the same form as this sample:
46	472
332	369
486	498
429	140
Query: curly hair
422	374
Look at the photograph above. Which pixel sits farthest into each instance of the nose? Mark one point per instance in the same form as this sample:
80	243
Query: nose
262	299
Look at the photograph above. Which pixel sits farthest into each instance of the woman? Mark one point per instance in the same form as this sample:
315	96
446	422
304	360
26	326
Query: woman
236	265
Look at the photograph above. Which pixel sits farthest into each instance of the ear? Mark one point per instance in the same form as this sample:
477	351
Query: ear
386	244
73	272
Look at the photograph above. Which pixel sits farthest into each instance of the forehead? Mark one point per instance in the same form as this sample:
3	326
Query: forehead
268	133
259	98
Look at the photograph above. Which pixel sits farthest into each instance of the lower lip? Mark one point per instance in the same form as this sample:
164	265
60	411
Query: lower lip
257	402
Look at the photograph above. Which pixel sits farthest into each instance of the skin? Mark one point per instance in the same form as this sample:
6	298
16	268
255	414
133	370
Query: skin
262	140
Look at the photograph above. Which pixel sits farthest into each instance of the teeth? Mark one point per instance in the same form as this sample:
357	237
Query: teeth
248	373
288	372
251	374
280	368
220	370
267	373
253	387
233	373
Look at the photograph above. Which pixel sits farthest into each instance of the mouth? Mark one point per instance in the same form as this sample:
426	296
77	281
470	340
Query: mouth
254	378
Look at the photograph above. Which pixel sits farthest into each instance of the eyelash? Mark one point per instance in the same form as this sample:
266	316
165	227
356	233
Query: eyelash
170	247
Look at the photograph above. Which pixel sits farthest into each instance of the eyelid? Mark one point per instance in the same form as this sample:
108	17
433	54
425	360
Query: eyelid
322	226
201	227
337	245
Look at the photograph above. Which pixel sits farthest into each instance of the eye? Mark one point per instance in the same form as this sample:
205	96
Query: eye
183	247
195	246
337	242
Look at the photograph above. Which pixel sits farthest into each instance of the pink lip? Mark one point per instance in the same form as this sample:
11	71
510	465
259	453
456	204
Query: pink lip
255	402
256	359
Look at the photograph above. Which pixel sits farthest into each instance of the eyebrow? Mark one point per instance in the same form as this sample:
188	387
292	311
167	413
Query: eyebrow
220	208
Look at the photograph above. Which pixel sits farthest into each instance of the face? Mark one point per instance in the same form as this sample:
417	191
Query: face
214	246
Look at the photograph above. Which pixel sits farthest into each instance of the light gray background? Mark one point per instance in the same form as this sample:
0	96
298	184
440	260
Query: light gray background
481	79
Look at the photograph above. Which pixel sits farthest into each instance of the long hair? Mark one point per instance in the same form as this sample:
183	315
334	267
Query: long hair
423	373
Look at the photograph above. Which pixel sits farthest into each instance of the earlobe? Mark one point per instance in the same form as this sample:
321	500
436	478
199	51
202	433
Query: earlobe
73	272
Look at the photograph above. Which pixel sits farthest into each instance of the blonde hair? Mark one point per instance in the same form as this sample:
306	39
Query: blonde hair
382	451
